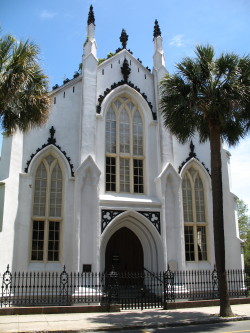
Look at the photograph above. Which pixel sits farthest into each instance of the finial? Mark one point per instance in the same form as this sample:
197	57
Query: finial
192	153
124	38
125	69
91	17
157	30
51	139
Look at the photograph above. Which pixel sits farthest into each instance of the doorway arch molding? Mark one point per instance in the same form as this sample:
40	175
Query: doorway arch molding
145	231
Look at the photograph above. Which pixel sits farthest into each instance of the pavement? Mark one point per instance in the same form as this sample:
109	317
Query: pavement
135	319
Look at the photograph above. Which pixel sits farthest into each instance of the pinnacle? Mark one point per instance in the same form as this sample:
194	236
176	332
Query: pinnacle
124	38
91	17
157	30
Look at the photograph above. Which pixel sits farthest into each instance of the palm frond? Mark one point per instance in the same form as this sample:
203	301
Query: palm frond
24	100
207	90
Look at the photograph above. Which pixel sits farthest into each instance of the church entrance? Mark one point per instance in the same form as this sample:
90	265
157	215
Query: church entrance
124	252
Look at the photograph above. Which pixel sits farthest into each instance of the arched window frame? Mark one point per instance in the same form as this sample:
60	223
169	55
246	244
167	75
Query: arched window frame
49	225
195	232
132	162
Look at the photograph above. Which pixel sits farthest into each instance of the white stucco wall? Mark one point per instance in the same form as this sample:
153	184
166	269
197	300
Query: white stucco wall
11	196
65	117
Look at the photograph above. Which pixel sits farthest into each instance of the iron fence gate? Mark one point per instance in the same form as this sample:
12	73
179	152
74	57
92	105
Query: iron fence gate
135	290
130	290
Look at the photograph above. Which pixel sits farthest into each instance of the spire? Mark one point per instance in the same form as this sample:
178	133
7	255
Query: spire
159	60
124	38
91	17
157	30
90	43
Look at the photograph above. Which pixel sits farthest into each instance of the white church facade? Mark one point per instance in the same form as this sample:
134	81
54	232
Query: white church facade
104	185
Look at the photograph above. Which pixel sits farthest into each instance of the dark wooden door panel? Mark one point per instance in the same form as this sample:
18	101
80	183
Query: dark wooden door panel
124	252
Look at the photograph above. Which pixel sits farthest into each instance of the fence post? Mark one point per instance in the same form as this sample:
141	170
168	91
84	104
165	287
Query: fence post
142	297
64	278
215	282
164	291
6	287
168	284
247	281
113	286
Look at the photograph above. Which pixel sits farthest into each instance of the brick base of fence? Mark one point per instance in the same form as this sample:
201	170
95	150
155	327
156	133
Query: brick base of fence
110	308
58	309
204	303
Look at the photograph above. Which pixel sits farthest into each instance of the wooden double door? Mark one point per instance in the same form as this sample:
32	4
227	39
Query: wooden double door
124	252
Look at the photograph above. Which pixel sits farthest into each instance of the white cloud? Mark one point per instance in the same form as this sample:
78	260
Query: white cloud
177	41
45	14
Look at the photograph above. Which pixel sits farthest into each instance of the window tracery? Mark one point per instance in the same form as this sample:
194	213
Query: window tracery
195	221
47	211
124	147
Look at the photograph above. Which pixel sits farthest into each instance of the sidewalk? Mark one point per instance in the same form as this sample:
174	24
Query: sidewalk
83	322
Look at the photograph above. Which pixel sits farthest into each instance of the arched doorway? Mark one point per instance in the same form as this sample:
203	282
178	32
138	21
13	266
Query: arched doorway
124	252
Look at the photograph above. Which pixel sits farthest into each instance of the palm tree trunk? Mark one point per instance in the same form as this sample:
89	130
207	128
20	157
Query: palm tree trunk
218	220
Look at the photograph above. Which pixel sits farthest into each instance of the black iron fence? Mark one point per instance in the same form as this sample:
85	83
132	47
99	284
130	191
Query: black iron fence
131	290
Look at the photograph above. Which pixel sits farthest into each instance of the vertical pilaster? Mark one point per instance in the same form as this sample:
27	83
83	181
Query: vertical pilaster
89	84
11	167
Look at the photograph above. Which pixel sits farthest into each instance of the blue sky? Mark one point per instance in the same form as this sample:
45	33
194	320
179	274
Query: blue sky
59	28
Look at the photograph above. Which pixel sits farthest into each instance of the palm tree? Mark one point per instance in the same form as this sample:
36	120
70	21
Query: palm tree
212	98
24	100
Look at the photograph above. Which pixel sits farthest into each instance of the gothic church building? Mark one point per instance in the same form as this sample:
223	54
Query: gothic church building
104	185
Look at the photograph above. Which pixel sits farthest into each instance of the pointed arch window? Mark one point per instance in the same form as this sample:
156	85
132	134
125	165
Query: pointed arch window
195	222
124	147
47	211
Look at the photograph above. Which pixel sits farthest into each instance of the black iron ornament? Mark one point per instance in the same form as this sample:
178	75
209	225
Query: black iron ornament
91	17
51	141
107	216
157	30
126	70
124	38
118	84
6	288
64	279
192	154
154	218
